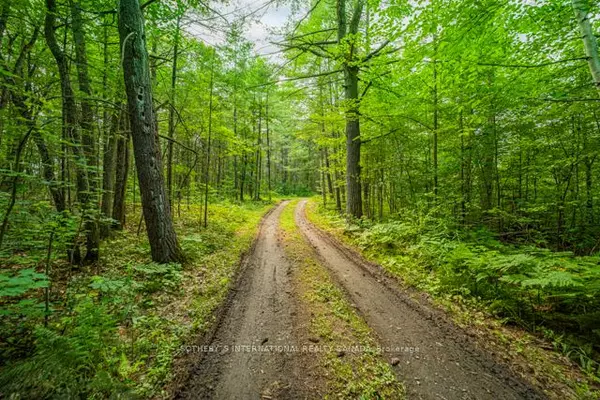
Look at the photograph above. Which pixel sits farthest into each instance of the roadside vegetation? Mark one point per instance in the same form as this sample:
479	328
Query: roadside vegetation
334	325
455	142
116	328
498	291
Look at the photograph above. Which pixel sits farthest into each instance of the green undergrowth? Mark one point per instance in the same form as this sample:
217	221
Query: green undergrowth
527	299
335	325
115	329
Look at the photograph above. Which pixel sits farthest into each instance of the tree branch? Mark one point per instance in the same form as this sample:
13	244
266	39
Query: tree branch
376	51
147	3
297	78
546	64
304	48
310	34
306	16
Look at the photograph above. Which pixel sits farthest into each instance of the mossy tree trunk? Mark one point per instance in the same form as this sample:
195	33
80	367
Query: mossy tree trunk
144	132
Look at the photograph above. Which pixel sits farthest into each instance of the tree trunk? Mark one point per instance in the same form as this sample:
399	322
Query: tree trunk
210	110
15	183
155	203
258	155
69	110
172	114
589	39
353	192
354	199
268	148
121	172
435	132
108	174
87	134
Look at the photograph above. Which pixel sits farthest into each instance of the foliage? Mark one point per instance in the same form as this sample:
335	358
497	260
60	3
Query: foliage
552	293
117	333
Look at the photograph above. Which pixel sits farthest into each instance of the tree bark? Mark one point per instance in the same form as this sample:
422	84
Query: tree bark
108	173
155	203
87	134
121	173
354	199
589	39
69	110
171	132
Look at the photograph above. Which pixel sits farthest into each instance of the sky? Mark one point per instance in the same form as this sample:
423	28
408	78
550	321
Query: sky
264	17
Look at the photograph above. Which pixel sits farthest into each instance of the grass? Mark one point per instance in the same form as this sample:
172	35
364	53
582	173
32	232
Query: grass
334	323
117	328
535	357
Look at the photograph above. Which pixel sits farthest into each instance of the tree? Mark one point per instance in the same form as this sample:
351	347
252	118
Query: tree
347	39
79	147
590	43
136	72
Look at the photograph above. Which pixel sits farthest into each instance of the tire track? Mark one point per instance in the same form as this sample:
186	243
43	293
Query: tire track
447	364
260	313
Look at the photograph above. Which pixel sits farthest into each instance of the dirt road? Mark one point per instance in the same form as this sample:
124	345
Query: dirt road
259	314
433	358
446	365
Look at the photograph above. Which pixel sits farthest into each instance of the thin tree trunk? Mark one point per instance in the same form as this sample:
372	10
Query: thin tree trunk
258	154
268	147
108	174
121	173
14	184
435	132
171	132
590	43
69	109
210	110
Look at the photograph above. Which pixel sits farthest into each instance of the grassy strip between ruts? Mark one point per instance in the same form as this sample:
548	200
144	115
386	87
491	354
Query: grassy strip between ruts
333	324
529	355
117	329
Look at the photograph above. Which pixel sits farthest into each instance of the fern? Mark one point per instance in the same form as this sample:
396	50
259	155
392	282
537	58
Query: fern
75	364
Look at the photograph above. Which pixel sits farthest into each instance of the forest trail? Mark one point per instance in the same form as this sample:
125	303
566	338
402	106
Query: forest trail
260	313
447	365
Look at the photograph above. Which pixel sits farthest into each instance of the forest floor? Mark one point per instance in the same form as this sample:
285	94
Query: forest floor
310	318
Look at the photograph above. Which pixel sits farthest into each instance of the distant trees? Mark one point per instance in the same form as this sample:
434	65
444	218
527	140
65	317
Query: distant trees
386	109
78	85
490	123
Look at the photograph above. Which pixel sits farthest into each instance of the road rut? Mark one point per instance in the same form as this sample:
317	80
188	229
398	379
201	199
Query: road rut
447	364
260	313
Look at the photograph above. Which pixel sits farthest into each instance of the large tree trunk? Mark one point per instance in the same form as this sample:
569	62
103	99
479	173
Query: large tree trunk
155	203
354	199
